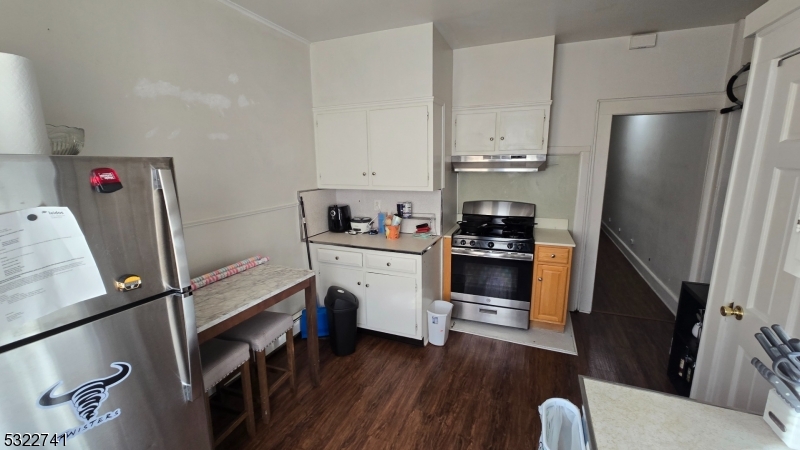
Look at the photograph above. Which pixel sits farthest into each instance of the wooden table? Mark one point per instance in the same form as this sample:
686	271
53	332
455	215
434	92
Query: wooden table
222	305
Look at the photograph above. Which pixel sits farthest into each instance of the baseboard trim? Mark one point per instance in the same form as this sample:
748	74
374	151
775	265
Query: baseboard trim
669	298
392	337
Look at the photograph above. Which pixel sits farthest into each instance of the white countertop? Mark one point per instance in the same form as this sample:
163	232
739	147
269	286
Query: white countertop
622	417
406	244
550	236
226	298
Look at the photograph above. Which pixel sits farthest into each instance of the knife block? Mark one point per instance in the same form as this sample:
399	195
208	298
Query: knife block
783	420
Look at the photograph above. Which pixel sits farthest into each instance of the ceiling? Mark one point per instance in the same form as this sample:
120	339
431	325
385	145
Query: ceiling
467	23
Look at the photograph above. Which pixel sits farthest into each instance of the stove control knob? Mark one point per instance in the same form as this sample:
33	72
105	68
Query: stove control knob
463	242
510	246
472	243
520	246
490	245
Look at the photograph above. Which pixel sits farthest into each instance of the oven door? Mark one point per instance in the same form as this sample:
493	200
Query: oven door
496	278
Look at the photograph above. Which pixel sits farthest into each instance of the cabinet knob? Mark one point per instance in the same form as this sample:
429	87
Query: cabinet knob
337	258
491	138
367	284
553	255
373	173
388	264
539	279
364	174
359	283
502	138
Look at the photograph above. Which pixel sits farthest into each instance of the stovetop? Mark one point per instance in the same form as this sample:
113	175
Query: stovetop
496	237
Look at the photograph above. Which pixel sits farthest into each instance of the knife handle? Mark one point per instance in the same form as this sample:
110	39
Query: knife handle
795	344
773	341
781	334
761	368
772	352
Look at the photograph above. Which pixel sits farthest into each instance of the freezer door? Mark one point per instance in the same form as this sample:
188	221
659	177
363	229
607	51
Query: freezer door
133	230
112	383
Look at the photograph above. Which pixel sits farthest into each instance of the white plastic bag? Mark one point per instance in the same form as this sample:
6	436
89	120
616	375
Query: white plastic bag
562	427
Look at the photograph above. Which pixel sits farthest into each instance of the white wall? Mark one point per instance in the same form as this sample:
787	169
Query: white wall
386	65
227	97
654	188
511	72
682	62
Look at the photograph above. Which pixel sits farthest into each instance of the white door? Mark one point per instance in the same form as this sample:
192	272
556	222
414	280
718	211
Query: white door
520	130
760	215
475	132
342	156
391	304
398	143
350	279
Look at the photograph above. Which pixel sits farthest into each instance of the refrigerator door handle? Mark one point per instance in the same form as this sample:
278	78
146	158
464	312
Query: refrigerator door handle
184	341
184	329
166	184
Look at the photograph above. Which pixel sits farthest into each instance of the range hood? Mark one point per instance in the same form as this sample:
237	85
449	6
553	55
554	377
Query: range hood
499	163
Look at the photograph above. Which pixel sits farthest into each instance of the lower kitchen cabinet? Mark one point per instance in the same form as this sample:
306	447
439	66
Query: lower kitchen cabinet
388	306
347	278
551	287
394	290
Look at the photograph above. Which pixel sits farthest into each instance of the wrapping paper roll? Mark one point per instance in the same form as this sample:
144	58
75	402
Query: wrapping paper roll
22	127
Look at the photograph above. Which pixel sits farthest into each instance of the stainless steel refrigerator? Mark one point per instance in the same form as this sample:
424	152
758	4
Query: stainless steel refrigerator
120	370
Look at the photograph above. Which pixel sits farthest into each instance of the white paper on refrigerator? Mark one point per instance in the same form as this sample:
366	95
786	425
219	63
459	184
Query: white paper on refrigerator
45	264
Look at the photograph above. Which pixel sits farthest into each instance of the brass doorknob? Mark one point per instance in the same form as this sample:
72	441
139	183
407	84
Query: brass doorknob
730	310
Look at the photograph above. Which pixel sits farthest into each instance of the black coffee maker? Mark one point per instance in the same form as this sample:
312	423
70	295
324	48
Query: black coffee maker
339	218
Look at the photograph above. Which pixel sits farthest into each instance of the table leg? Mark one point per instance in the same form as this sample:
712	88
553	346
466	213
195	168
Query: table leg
313	339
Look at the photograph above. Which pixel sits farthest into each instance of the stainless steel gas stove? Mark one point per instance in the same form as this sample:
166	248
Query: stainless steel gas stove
492	263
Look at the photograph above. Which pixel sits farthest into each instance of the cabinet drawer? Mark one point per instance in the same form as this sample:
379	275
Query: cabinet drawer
554	255
339	257
391	263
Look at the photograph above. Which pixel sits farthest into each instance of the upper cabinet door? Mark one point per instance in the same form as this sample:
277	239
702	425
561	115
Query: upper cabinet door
520	130
398	143
475	132
342	152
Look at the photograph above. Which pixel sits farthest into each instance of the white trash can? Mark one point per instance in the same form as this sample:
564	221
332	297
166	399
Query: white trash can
439	321
562	426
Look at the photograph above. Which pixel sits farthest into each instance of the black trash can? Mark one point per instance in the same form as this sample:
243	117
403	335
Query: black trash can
342	309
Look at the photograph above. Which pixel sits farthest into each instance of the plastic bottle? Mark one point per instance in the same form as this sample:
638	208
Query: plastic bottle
381	225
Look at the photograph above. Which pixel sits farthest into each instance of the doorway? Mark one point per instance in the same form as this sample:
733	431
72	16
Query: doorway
712	189
651	208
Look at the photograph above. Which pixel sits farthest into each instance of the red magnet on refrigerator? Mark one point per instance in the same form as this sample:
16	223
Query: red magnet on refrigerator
105	180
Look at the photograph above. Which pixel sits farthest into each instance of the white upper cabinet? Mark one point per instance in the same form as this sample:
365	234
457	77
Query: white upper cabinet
520	130
502	97
500	130
378	103
342	148
475	132
398	147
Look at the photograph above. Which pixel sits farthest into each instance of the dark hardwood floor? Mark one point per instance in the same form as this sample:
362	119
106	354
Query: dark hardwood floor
619	289
473	393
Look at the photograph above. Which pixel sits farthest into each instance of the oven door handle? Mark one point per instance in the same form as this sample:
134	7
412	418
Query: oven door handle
514	256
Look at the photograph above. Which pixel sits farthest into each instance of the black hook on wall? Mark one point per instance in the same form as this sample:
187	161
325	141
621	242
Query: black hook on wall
738	103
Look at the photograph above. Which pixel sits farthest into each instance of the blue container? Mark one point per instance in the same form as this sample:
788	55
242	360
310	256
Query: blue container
322	323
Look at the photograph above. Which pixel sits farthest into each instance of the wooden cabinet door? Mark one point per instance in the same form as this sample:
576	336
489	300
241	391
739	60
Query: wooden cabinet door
391	304
398	147
550	293
475	132
520	130
342	153
349	279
